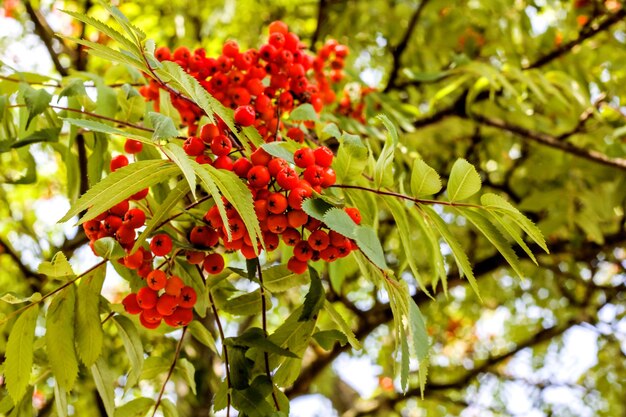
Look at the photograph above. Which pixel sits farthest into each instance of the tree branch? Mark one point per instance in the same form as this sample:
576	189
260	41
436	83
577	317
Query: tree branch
322	16
46	35
586	33
399	49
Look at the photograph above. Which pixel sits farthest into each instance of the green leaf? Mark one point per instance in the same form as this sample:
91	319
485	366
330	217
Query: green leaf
327	338
107	30
341	323
512	231
168	408
279	278
109	248
202	335
330	130
499	204
132	345
208	183
37	102
89	335
245	305
19	353
163	126
464	181
103	128
383	172
304	112
368	243
495	237
188	372
12	298
120	185
107	53
162	212
405	359
75	87
48	134
238	194
138	407
424	179
60	337
284	150
339	221
465	267
58	267
316	208
60	401
251	402
239	367
314	299
419	339
351	158
254	337
180	158
104	380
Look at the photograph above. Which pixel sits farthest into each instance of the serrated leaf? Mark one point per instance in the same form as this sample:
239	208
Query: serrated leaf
19	353
424	179
368	242
254	337
74	88
238	194
180	158
245	305
304	112
162	212
153	367
279	278
89	334
330	130
12	298
316	208
314	299
495	237
132	345
60	401
434	255
514	233
464	181
495	202
36	101
251	402
120	185
109	248
103	128
123	21
58	267
419	339
202	335
102	27
48	134
138	407
351	158
339	221
383	172
240	367
168	408
60	337
220	400
343	326
104	380
208	183
108	54
465	268
163	126
188	372
284	150
327	338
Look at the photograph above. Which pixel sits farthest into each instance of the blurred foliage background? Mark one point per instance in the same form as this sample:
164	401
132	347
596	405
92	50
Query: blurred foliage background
531	92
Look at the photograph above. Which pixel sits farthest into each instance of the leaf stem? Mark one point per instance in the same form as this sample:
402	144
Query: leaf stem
406	197
170	372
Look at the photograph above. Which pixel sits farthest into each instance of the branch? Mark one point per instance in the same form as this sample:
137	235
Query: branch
399	49
264	325
170	372
586	33
45	34
322	15
552	142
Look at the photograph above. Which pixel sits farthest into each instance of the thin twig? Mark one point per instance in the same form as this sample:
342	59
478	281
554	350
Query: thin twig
264	326
170	372
45	34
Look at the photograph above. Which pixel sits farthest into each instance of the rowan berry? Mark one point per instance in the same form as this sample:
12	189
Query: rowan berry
130	304
193	146
118	162
156	280
132	146
213	263
135	218
161	244
147	298
296	266
120	208
245	115
354	214
221	145
174	286
258	176
277	203
166	305
304	157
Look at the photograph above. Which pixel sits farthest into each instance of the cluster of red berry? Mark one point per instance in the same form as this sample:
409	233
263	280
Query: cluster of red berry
259	84
354	107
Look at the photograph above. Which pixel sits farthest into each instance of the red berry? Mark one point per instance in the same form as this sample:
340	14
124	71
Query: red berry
174	285
147	298
208	132
203	236
297	218
277	203
302	251
125	235
193	146
135	218
297	196
182	53
323	156
278	26
140	195
221	145
260	157
213	263
223	162
271	241
329	254
330	177
258	176
194	257
354	214
314	174
132	146
245	115
166	305
112	223
156	280
230	48
130	304
161	244
296	266
318	240
118	162
304	157
187	297
163	53
276	165
152	323
295	134
291	237
180	317
133	261
277	223
241	167
120	208
287	179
